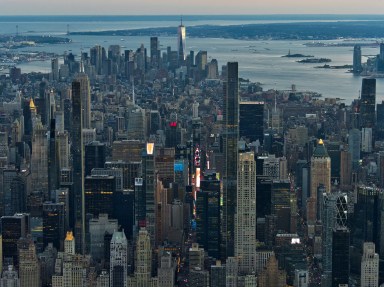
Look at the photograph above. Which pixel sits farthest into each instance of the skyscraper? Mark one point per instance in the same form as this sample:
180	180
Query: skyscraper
155	52
230	139
29	267
53	160
98	194
369	266
320	174
119	260
251	124
367	103
85	95
333	215
245	240
208	215
181	34
357	59
53	224
340	257
149	188
13	228
78	166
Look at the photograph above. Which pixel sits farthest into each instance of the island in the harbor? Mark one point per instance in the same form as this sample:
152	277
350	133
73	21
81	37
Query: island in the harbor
325	66
296	55
314	60
16	42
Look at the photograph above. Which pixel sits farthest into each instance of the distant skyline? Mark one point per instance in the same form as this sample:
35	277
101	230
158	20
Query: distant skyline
167	7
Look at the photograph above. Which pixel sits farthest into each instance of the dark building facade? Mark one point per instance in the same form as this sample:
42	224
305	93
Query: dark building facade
12	228
208	216
99	192
78	218
53	224
95	154
340	257
251	123
368	103
230	140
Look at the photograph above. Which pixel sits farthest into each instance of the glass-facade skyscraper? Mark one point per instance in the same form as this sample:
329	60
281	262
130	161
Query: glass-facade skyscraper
230	139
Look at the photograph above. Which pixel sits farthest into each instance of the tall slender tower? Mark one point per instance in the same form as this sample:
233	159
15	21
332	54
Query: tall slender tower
245	241
85	95
78	217
320	174
149	189
53	160
230	139
367	103
181	34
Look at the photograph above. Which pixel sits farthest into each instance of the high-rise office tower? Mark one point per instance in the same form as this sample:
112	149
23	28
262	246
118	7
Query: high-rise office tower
368	103
55	69
53	224
53	160
208	215
380	121
281	200
95	155
334	212
340	257
29	266
97	58
39	159
201	60
155	52
13	228
367	214
98	194
320	174
354	146
149	188
366	140
369	266
230	141
181	48
251	123
78	166
85	95
119	260
357	68
245	224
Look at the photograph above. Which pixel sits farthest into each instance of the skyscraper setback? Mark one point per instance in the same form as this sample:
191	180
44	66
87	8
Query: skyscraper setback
230	139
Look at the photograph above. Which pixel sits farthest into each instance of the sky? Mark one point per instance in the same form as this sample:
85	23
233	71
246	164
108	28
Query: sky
169	7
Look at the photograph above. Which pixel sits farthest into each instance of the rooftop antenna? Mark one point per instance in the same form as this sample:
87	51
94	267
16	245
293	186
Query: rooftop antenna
181	20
